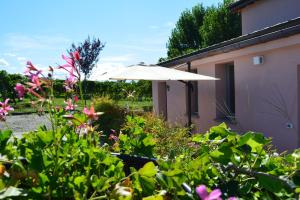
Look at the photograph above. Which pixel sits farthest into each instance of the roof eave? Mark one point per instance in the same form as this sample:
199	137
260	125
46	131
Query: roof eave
238	5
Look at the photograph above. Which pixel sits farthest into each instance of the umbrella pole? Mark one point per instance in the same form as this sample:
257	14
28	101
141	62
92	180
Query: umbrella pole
189	105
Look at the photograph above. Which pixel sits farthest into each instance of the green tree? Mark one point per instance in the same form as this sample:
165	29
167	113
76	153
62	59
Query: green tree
185	36
8	83
201	27
219	25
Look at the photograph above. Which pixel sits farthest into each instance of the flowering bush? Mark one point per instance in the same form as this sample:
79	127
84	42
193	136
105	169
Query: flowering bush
71	161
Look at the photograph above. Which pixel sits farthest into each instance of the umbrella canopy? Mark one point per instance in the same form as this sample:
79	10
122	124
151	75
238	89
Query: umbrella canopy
155	73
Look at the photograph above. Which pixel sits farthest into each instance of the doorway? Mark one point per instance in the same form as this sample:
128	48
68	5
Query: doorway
162	100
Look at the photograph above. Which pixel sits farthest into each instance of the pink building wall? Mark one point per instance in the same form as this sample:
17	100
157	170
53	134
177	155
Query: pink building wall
265	13
259	91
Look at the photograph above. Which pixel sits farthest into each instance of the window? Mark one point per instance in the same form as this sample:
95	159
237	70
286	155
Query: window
225	92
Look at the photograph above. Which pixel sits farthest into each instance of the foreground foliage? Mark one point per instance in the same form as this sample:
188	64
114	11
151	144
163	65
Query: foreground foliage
66	165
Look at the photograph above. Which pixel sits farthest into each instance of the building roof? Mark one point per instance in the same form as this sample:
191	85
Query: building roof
239	4
281	30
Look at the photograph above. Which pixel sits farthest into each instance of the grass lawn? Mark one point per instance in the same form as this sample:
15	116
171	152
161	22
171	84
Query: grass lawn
25	105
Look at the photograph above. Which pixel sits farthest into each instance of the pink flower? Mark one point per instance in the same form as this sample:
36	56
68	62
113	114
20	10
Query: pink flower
5	108
35	82
113	137
76	55
31	67
70	105
204	195
20	90
82	129
90	113
70	82
70	66
76	99
32	70
232	198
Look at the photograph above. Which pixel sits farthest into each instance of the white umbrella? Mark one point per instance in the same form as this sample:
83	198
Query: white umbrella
155	73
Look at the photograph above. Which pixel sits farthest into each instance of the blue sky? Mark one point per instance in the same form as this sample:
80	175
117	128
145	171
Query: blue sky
133	30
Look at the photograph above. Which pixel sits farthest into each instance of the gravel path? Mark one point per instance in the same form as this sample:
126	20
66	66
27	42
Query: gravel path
24	123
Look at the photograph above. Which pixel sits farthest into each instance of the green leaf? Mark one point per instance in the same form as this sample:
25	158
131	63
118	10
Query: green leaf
255	140
149	170
79	180
223	155
43	178
4	137
197	138
156	197
270	183
174	172
45	137
149	141
148	184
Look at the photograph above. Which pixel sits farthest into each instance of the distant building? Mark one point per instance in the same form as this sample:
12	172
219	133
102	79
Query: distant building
259	88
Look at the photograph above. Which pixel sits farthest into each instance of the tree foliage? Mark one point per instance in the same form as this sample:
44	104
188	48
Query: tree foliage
201	27
7	84
89	52
185	36
219	24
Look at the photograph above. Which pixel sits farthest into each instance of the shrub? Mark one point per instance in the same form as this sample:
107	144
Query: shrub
113	116
134	140
172	141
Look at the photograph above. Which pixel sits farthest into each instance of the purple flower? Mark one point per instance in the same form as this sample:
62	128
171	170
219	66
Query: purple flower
204	195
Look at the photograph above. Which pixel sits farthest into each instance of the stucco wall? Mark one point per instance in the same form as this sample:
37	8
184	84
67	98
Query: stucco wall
266	95
176	100
266	13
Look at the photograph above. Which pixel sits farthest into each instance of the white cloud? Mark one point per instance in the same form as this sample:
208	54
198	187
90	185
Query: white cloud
3	62
19	42
138	48
10	54
114	59
21	58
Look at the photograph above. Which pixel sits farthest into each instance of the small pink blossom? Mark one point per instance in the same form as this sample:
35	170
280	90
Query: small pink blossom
91	114
32	70
82	129
70	82
20	90
204	195
35	83
113	137
76	55
76	99
70	106
31	67
5	108
70	66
